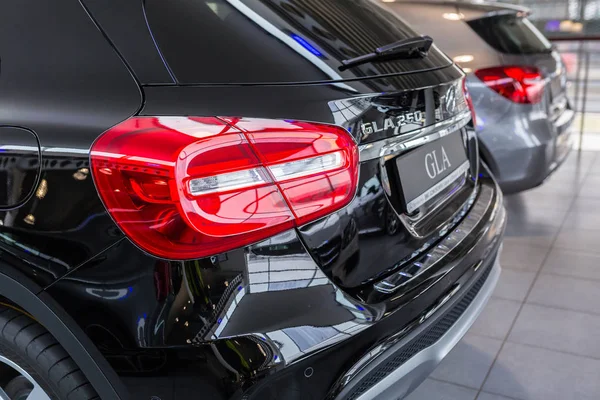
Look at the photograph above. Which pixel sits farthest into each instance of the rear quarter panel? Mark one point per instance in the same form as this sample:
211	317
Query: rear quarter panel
61	79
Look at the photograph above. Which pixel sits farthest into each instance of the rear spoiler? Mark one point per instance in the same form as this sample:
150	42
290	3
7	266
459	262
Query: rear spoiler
493	9
484	9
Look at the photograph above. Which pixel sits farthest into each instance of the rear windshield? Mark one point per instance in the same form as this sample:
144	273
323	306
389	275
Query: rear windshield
511	34
250	41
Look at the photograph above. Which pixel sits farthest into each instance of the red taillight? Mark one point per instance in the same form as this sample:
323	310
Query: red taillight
469	101
519	84
185	187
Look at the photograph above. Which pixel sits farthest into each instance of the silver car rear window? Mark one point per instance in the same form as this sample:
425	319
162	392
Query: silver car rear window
511	34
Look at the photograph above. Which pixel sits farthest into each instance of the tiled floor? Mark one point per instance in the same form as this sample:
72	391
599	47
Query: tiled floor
539	336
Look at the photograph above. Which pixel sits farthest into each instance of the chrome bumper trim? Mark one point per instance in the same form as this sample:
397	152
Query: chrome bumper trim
411	373
476	209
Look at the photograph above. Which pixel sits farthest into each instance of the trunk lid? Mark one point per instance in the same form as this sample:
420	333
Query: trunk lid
409	192
418	174
281	59
278	41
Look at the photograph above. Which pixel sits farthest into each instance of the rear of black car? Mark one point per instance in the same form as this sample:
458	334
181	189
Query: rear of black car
280	226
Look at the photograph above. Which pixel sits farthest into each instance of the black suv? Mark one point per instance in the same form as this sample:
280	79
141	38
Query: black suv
234	199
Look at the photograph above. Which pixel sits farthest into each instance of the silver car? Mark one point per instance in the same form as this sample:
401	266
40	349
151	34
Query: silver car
516	79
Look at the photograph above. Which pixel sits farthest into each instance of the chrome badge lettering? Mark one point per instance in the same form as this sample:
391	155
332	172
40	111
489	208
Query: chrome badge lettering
415	117
435	166
451	100
366	129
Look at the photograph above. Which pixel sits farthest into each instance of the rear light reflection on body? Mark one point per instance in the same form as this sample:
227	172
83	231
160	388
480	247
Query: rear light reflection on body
183	188
469	101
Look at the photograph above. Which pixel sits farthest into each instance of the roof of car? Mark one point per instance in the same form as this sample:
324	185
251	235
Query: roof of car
485	8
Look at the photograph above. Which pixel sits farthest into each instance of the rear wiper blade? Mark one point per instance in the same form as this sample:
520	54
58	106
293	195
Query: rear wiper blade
414	47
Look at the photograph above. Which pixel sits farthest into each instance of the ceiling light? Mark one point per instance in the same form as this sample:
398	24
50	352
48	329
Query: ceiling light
453	16
463	58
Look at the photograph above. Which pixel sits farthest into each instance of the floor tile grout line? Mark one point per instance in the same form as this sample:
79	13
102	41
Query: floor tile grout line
587	229
504	340
501	395
470	388
582	252
531	286
536	245
584	211
519	244
575	250
505	299
453	383
579	278
508	340
486	336
535	303
495	296
563	352
551	273
519	268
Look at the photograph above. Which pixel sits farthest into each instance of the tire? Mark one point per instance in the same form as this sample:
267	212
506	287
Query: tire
43	362
392	223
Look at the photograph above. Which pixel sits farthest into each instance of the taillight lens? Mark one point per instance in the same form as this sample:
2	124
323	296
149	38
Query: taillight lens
185	187
469	101
521	84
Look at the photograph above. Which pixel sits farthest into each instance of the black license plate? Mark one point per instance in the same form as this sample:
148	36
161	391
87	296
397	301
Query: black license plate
428	170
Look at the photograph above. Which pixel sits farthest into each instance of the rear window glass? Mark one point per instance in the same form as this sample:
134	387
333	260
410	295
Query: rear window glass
250	41
511	34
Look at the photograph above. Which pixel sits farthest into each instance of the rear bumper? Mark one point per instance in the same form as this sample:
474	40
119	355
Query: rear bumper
417	334
396	367
522	159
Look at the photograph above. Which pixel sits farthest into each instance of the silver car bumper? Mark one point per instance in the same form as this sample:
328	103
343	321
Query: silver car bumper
521	143
396	382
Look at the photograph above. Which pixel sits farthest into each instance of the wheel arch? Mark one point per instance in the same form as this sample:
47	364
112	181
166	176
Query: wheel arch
30	297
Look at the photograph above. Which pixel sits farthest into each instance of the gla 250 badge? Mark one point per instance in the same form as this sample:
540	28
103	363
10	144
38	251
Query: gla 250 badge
392	123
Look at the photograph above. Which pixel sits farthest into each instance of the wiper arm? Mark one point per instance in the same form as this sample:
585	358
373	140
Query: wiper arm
415	47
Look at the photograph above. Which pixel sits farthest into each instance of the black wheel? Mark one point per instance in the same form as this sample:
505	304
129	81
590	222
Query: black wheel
34	366
392	223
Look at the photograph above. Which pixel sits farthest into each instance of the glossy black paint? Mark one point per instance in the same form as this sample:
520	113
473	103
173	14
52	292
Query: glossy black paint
328	366
124	23
219	325
20	157
273	41
61	80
